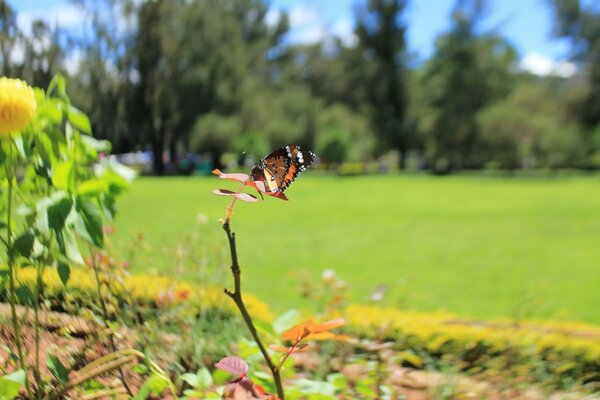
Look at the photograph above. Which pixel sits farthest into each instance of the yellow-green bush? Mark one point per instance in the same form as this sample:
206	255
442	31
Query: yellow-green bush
142	290
541	351
553	352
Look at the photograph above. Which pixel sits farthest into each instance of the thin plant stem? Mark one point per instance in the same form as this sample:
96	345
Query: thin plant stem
36	305
236	296
11	269
289	352
229	210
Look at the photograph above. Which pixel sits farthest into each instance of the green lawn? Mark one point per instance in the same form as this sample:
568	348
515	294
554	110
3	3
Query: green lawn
483	247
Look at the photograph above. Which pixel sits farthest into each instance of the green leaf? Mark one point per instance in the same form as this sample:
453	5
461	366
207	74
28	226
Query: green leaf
62	175
25	295
70	248
2	155
23	245
64	272
92	187
58	83
96	145
285	321
204	378
58	213
264	327
23	147
155	384
192	379
51	109
91	215
11	384
57	369
79	120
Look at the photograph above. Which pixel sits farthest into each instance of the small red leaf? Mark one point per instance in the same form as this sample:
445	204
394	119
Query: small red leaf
258	185
234	177
224	192
233	364
279	195
246	197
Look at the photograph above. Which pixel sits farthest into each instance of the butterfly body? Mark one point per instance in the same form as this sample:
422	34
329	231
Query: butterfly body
279	169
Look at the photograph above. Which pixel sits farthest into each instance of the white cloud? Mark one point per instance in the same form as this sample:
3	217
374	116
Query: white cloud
73	61
272	17
17	53
538	64
63	14
307	26
344	29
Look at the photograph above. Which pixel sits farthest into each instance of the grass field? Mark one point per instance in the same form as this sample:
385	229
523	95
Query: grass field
482	247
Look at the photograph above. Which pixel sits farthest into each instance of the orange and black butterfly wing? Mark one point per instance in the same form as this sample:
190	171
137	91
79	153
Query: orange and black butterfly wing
299	162
279	169
271	170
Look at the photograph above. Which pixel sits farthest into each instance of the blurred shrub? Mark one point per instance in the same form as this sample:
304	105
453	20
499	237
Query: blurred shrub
352	169
150	291
333	145
351	131
530	128
547	352
215	134
554	353
251	146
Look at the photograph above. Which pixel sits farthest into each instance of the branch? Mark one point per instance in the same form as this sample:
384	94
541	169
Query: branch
236	296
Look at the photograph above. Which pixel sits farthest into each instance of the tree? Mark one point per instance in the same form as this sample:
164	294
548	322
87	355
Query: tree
44	54
580	23
9	33
382	45
531	128
195	58
468	71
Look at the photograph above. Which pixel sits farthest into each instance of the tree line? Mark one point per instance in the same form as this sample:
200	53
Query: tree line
218	76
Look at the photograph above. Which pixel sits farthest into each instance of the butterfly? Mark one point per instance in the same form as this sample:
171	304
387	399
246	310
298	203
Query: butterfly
279	169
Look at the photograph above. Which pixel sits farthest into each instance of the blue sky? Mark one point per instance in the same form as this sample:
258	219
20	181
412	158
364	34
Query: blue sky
526	23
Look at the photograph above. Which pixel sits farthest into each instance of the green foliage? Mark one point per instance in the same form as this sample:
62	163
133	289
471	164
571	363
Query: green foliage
333	145
338	125
381	31
47	216
577	22
11	384
215	133
58	370
530	128
468	71
252	144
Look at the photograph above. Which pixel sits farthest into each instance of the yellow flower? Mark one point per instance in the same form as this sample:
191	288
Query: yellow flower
17	105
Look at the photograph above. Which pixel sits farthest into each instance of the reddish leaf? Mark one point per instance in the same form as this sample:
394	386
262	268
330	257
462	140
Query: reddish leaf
311	331
234	177
233	364
224	192
279	195
327	325
258	185
243	389
297	331
320	336
246	197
